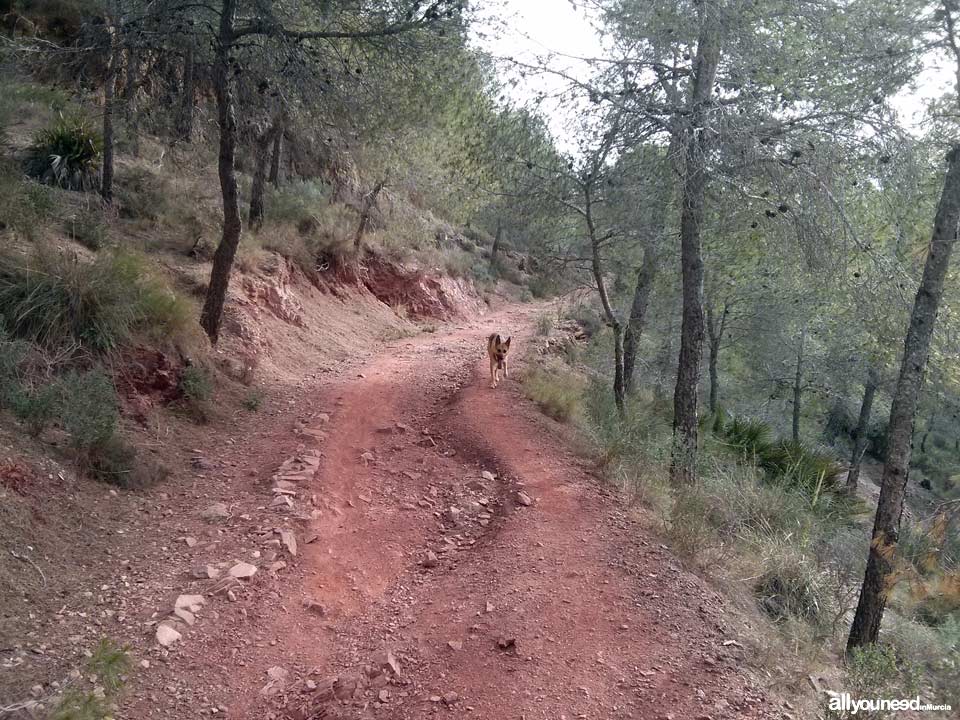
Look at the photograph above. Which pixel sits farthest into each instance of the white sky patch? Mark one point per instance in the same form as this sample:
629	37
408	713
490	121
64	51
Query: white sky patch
529	30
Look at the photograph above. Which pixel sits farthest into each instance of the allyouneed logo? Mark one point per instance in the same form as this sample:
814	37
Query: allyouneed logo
843	702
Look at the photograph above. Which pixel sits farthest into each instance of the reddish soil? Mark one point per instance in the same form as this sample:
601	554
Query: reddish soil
556	603
595	617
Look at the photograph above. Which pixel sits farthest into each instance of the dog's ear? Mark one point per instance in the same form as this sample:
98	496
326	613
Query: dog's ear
496	339
507	343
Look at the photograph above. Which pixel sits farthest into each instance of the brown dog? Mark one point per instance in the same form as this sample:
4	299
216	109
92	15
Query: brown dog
497	350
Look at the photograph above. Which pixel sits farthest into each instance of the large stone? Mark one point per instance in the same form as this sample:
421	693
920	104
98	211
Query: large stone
217	511
429	559
524	499
243	570
191	602
289	541
166	635
188	617
386	661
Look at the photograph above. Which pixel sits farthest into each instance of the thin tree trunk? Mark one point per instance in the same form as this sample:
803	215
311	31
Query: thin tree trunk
879	576
368	203
860	431
277	154
130	101
497	239
683	461
798	388
596	264
212	314
109	103
185	116
638	312
262	144
715	331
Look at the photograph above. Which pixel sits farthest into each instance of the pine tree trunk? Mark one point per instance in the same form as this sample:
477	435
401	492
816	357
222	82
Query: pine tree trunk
683	461
798	388
263	145
109	106
715	331
369	202
185	116
638	312
596	265
497	239
277	154
860	431
879	577
130	101
212	314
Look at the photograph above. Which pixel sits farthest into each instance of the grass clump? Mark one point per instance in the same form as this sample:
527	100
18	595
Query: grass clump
88	229
61	303
26	205
558	392
876	671
816	473
142	195
196	386
253	400
544	324
35	407
108	666
67	154
89	412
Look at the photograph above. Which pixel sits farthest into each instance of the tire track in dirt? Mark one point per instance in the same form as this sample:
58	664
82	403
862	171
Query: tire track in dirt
563	609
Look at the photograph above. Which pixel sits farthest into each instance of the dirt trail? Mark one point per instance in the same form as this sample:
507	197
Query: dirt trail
414	540
491	608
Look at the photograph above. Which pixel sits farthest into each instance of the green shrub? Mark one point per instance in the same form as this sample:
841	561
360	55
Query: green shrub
295	202
253	400
114	461
12	356
459	263
791	585
141	194
545	284
81	705
26	205
110	662
875	671
59	302
197	388
752	439
483	275
35	407
815	472
195	384
688	527
587	317
88	409
88	229
558	393
67	154
544	324
108	666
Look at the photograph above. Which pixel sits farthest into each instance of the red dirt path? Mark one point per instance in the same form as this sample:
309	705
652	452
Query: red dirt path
605	622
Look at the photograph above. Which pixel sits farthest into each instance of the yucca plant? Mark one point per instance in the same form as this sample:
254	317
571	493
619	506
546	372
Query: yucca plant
814	472
751	438
67	155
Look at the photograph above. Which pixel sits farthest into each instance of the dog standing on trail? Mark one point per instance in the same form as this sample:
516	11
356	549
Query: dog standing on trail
497	350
